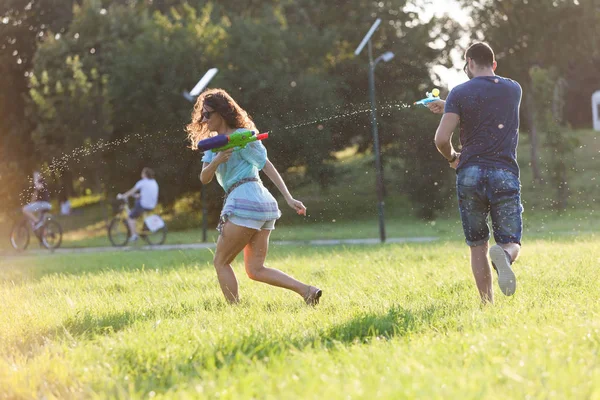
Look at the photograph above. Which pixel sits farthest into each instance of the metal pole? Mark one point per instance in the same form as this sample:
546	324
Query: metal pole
204	212
190	96
376	144
595	10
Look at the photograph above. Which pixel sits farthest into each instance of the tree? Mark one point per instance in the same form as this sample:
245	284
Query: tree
581	72
69	103
320	44
518	31
276	71
22	26
71	112
548	85
148	75
290	64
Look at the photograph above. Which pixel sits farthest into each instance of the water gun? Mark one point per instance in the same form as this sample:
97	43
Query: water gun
237	139
433	96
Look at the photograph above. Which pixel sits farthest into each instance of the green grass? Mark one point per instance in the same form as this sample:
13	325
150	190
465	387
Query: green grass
396	321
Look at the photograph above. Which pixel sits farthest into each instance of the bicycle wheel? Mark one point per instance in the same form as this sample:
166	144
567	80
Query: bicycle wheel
19	236
154	238
51	234
118	232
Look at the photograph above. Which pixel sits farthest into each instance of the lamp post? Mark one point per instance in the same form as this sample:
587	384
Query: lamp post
190	96
385	57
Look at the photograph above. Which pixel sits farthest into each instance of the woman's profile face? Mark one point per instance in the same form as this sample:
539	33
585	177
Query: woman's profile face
210	117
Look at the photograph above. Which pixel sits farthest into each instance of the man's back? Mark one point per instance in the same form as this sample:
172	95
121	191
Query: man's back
148	192
488	107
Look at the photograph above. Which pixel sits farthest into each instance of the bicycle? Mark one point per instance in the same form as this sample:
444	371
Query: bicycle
154	231
49	233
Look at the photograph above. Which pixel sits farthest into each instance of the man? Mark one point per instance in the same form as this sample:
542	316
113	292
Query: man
40	201
487	174
146	201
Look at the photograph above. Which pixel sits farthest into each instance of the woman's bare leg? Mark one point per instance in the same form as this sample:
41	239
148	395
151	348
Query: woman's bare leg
230	243
255	254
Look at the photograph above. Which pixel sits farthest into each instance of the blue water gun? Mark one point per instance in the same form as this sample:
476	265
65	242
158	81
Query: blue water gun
433	96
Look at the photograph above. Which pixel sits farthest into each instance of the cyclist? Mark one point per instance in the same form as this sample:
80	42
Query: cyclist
40	202
146	200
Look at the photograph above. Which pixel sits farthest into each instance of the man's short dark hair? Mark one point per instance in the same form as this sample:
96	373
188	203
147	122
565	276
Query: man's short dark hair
481	53
148	172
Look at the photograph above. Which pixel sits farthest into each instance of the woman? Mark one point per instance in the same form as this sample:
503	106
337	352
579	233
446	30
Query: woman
250	211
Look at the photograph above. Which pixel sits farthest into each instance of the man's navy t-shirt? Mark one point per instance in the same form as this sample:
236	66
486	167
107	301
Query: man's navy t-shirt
488	107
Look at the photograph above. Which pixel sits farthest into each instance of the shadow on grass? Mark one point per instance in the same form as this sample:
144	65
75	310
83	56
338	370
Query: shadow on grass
397	321
262	347
361	329
86	325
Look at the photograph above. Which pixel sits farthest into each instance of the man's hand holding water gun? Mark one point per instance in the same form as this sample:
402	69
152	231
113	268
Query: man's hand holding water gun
433	102
437	106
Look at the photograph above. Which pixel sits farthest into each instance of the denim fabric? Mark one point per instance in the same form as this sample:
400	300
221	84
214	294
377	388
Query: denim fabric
138	210
484	191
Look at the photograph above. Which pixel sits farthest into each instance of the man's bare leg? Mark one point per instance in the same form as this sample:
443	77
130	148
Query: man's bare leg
482	272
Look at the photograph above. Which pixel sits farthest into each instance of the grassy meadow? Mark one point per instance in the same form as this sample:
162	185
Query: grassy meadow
395	321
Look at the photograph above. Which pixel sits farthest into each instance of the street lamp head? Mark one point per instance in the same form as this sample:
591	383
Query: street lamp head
387	56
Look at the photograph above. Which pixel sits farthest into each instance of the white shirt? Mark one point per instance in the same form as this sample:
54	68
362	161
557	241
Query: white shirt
148	192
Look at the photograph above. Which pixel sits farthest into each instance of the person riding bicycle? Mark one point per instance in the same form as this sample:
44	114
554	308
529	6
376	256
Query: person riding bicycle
146	201
40	201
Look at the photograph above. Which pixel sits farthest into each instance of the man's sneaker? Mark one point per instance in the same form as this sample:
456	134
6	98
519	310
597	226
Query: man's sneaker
133	238
501	263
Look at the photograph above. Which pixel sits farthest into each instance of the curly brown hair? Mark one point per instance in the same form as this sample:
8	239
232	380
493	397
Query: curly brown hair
222	103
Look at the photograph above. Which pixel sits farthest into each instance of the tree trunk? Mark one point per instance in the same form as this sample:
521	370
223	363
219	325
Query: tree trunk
530	113
563	188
